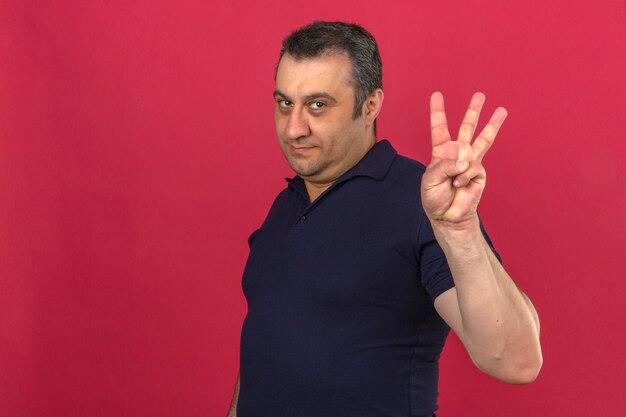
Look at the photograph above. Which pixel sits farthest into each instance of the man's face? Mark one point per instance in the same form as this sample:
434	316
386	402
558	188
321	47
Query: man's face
314	117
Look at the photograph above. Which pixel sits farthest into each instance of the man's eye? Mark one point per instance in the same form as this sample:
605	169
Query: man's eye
284	103
317	105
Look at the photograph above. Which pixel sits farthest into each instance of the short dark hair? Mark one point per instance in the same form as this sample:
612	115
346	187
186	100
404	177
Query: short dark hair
320	38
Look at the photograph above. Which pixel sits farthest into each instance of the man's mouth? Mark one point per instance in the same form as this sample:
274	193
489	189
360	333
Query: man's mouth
301	149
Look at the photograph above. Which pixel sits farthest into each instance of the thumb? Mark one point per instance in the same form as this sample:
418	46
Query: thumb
443	170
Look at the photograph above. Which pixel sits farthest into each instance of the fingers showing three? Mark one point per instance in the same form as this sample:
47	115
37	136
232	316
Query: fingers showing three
439	124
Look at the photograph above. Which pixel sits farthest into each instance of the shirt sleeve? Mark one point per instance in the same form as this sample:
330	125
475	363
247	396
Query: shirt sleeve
435	273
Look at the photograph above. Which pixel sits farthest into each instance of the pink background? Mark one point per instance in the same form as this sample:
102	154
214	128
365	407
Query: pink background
137	153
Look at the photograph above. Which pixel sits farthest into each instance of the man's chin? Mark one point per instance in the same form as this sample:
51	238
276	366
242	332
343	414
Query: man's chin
305	172
306	175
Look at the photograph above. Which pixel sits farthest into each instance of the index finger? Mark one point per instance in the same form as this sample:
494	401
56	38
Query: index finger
438	123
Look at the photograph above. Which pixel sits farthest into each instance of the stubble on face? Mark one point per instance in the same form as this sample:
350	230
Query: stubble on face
319	144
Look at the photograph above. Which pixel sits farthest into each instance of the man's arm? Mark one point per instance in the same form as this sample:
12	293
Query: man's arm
233	405
496	322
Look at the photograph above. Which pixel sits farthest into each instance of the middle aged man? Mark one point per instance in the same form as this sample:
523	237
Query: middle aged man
353	270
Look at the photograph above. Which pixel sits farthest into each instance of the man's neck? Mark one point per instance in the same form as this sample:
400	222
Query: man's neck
315	189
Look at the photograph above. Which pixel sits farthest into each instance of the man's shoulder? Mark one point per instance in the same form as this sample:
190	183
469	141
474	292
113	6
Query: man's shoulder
404	162
406	168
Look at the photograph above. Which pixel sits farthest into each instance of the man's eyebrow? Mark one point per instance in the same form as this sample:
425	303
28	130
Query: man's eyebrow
281	94
318	94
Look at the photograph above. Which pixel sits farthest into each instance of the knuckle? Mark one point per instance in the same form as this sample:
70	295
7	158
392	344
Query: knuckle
439	126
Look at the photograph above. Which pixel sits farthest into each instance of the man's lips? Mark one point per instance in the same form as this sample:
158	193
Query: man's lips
301	149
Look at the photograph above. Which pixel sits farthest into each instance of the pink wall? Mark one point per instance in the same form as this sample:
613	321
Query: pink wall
137	153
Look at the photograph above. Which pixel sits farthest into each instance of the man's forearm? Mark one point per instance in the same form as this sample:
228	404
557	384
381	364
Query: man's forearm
233	405
499	325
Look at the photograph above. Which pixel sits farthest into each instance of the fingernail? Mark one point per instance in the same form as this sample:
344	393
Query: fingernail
461	164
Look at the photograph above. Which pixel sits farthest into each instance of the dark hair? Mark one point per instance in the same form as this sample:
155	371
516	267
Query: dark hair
320	38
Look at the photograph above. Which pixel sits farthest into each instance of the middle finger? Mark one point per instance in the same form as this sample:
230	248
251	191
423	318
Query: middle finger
468	125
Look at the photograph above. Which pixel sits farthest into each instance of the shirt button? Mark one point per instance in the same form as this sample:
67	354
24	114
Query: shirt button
303	218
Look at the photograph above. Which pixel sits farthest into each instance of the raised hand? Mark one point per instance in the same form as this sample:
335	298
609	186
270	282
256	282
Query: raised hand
455	178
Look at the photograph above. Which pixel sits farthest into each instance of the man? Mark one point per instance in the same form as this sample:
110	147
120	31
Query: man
355	277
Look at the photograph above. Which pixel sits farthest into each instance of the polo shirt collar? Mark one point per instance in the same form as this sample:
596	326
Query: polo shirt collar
374	164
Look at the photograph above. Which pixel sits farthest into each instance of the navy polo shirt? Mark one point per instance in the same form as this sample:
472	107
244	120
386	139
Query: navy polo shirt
340	297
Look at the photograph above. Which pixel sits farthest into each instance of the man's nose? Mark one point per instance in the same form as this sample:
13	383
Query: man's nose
297	126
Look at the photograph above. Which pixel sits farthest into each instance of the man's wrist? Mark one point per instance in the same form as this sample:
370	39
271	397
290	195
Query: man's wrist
459	239
462	230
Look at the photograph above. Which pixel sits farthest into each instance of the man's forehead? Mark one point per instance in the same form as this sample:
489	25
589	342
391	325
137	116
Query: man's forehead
327	70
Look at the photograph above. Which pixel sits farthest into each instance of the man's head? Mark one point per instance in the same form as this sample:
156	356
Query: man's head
328	95
320	38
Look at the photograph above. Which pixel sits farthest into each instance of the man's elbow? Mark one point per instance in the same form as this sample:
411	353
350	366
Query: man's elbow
518	371
527	374
522	374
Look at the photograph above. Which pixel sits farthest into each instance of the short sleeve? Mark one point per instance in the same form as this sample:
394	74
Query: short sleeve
435	273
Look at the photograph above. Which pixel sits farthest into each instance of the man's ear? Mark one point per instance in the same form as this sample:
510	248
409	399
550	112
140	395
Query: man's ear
372	106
